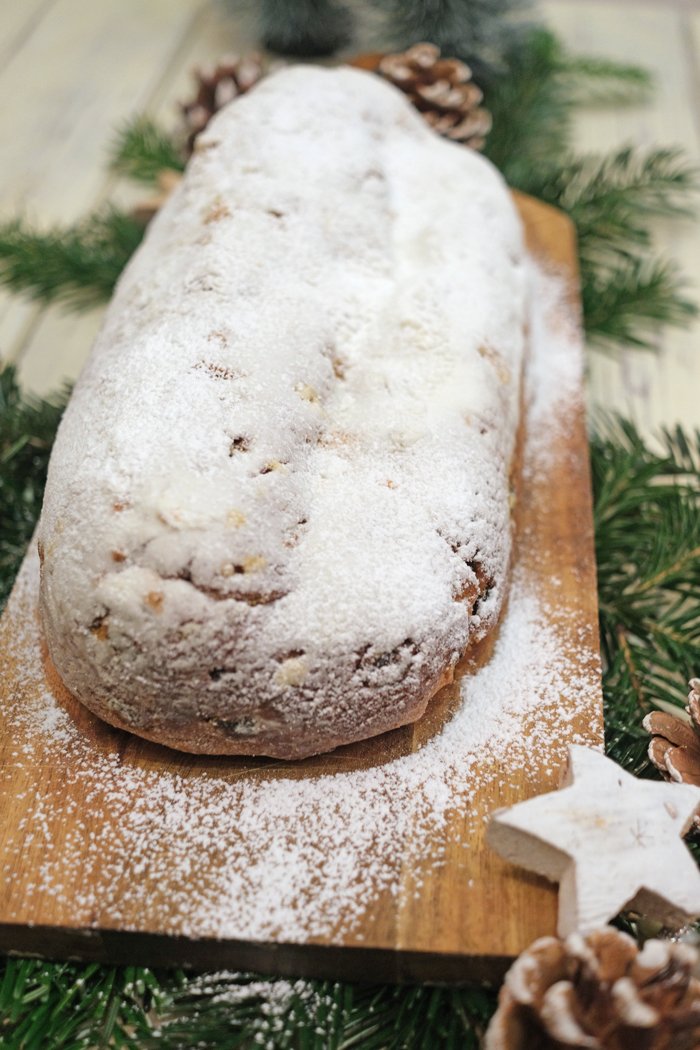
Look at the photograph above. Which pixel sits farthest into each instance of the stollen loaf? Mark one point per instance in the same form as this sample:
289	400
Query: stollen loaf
277	510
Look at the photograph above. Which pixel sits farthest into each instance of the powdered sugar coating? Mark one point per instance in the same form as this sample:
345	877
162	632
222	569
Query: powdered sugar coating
305	394
131	844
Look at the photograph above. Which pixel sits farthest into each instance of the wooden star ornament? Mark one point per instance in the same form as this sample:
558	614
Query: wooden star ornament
610	840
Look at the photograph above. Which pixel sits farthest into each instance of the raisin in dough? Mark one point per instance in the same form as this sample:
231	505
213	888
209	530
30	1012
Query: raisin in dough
277	510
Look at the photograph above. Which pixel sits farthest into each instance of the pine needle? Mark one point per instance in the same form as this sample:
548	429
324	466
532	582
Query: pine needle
77	266
594	81
27	428
531	111
235	1010
612	199
142	150
627	301
647	523
67	1006
627	297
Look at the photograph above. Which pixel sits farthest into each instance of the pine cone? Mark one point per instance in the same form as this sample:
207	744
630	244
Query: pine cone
600	992
442	90
232	76
675	744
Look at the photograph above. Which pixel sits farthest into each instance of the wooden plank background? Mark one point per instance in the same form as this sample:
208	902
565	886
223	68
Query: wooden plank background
71	72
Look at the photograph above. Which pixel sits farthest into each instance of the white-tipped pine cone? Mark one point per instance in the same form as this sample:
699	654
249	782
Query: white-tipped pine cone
599	992
442	90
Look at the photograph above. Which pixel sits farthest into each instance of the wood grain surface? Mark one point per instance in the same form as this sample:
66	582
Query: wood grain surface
461	919
137	56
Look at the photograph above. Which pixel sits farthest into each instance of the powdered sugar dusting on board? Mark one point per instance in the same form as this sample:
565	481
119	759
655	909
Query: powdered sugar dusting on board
277	854
554	377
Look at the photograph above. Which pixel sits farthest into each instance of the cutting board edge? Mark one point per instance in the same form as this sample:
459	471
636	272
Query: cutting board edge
279	959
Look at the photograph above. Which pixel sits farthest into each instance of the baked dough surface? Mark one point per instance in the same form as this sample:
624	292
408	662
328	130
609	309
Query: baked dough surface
277	510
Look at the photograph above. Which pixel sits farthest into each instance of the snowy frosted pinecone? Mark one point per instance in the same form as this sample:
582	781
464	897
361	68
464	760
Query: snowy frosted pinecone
674	747
216	86
442	90
599	992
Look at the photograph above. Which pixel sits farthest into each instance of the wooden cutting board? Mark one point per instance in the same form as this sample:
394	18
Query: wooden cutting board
369	863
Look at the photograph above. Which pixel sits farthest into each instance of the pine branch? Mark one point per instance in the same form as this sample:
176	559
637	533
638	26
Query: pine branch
27	428
77	266
628	300
76	1007
647	523
65	1004
612	199
142	150
531	111
533	101
594	81
241	1010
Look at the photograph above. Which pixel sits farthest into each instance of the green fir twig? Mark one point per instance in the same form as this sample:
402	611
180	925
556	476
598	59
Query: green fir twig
531	109
647	522
77	267
67	1006
612	198
142	149
533	103
241	1010
594	81
628	301
27	429
628	293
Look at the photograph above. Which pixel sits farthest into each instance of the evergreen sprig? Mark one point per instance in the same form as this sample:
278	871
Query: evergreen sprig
67	1006
647	526
595	81
27	428
612	199
77	266
242	1010
533	102
532	111
628	293
142	149
629	299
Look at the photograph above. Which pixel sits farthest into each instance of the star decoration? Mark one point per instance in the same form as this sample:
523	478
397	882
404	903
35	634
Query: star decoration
610	840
